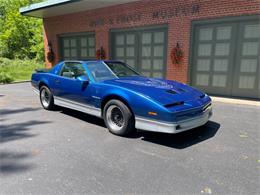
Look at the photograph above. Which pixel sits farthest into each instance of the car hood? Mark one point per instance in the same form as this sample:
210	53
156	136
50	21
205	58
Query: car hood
162	91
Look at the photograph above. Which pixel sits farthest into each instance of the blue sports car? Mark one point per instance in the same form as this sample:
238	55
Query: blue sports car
121	96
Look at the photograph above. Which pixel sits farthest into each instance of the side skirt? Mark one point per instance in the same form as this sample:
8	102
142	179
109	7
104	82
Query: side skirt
77	106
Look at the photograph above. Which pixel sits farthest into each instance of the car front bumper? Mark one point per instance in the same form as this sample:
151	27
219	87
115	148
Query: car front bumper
180	126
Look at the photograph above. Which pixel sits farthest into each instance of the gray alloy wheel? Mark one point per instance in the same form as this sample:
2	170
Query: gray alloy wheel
118	118
46	98
115	118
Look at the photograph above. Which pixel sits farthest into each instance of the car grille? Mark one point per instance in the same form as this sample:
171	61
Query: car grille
192	113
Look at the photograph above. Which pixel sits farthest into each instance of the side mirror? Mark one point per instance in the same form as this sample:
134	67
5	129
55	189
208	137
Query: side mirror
83	79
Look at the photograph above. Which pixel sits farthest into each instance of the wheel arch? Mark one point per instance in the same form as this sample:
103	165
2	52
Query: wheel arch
114	97
42	83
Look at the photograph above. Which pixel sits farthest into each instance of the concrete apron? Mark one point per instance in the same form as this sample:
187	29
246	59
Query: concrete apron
235	101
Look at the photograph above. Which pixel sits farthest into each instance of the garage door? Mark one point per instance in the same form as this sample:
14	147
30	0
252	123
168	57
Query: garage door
143	49
226	58
77	47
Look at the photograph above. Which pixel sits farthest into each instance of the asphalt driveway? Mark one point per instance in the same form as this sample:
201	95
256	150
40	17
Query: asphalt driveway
64	151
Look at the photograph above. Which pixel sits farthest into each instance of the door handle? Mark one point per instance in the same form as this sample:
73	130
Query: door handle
57	81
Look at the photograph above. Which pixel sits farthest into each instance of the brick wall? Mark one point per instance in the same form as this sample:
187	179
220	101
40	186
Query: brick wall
178	14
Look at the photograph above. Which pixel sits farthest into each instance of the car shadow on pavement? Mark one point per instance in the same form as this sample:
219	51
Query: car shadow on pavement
12	162
82	116
184	139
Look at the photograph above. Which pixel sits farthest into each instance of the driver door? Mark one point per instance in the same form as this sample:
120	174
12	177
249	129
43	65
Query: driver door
68	87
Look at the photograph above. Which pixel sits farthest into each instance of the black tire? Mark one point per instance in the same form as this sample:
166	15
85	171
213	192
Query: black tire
113	121
46	102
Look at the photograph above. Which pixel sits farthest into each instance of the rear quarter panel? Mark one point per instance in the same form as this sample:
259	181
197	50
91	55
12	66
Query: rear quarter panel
40	78
45	77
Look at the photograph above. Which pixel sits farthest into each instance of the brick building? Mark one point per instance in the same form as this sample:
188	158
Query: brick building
220	39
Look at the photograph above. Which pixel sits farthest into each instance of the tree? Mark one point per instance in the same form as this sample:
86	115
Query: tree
20	36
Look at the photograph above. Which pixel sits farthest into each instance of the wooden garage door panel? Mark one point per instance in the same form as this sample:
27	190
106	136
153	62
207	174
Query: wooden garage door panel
77	47
125	48
212	64
143	49
226	58
247	72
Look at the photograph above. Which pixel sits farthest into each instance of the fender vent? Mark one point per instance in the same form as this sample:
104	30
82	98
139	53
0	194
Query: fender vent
174	104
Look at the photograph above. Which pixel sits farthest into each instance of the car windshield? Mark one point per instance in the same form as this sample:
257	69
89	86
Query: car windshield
110	70
100	71
121	69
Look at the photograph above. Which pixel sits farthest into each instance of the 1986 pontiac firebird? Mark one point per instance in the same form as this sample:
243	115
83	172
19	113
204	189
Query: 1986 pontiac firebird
125	99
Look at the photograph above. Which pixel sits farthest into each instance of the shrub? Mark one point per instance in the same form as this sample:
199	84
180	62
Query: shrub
5	78
18	70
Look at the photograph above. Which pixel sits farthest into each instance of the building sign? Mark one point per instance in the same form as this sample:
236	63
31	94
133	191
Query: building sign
122	19
183	10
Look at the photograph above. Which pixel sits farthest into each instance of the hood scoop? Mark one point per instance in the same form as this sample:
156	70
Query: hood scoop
171	91
179	90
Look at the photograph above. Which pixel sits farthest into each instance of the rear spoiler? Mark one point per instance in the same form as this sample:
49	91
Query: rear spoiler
42	70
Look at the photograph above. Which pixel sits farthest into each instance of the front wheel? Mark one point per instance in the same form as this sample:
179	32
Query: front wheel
118	118
46	98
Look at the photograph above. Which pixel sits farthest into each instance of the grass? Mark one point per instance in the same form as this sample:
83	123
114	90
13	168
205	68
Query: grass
17	70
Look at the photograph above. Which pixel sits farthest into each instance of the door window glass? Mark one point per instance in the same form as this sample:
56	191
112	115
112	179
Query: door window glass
158	51
146	38
130	39
206	34
219	80
252	31
204	50
158	64
222	49
120	39
203	79
146	64
159	37
250	48
246	82
224	32
248	65
221	65
73	70
203	65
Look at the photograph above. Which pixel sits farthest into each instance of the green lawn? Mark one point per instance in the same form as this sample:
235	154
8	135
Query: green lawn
17	70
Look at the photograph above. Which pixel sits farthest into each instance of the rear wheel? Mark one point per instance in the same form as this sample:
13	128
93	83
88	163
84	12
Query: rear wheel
46	98
118	118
